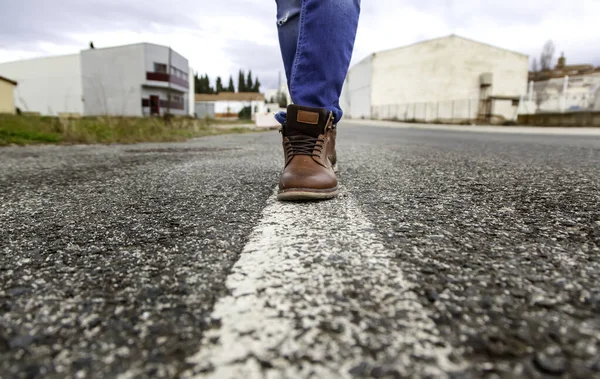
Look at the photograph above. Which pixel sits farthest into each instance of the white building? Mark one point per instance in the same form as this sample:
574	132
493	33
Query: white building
227	105
132	80
449	78
564	88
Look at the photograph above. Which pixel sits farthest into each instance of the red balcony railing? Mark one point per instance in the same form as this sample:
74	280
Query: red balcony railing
164	77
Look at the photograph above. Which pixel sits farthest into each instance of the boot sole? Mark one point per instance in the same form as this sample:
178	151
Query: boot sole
300	194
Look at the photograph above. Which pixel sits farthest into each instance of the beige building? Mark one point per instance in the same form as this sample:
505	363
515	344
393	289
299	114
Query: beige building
449	78
7	95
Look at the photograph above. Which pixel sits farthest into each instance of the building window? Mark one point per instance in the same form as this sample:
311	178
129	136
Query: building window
160	67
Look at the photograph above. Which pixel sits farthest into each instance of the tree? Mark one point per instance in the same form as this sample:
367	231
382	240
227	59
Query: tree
249	82
219	85
202	84
199	84
196	83
230	88
245	113
256	86
241	82
547	55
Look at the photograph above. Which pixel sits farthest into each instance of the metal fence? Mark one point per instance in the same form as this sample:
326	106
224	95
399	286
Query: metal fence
493	110
442	111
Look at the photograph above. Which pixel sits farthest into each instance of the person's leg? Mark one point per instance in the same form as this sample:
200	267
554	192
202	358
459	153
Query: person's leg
316	38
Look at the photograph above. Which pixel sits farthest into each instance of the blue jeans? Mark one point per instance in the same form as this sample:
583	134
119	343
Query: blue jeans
316	38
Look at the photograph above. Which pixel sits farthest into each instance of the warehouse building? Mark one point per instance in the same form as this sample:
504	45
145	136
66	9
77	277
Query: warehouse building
449	79
134	80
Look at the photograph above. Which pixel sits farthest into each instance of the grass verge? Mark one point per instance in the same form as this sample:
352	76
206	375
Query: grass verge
27	130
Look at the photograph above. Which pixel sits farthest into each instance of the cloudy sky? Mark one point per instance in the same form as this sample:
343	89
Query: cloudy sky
221	36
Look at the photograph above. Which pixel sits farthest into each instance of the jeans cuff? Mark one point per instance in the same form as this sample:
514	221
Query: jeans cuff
281	117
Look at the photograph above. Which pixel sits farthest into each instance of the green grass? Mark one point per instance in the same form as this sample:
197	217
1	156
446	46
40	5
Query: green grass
26	130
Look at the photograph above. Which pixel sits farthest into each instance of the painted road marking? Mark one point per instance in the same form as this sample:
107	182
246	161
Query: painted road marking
316	294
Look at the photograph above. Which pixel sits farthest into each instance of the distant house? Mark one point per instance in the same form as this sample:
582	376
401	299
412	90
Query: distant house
564	88
228	104
134	80
7	95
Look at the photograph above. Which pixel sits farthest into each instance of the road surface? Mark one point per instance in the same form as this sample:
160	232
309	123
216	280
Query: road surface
449	254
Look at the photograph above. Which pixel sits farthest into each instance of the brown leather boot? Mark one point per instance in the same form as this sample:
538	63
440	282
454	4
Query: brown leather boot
309	147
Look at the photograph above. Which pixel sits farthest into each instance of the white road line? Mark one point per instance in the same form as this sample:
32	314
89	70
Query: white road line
316	294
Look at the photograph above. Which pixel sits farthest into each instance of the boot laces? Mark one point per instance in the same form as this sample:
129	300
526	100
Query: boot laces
304	145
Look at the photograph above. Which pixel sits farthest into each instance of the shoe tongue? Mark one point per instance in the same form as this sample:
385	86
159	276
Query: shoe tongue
294	131
305	122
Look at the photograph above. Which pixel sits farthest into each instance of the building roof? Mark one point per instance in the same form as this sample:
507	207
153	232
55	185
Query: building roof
457	37
439	39
230	96
87	49
8	80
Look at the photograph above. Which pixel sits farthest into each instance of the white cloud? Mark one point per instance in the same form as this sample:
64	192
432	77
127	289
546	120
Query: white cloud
220	37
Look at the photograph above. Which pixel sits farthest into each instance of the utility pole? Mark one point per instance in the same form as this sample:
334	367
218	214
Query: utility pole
279	83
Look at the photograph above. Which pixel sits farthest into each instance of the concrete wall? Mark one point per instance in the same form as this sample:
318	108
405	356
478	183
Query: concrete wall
561	119
356	93
112	79
583	92
447	69
7	97
49	86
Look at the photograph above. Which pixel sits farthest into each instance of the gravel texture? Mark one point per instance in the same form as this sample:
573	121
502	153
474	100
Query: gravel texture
112	257
502	235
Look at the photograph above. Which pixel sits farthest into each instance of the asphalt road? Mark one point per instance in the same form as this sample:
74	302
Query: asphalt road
448	255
